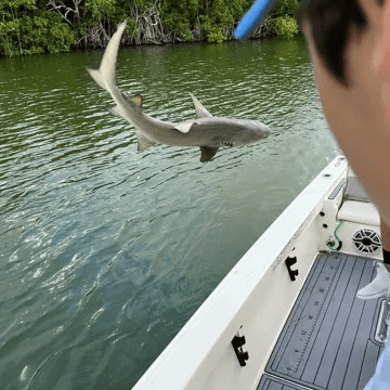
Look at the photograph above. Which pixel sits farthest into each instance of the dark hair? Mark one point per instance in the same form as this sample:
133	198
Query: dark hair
331	21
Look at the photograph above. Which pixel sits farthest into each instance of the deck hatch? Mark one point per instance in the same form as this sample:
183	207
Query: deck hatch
269	382
328	341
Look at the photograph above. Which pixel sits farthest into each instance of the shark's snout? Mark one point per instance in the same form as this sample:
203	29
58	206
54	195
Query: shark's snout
265	131
252	131
262	131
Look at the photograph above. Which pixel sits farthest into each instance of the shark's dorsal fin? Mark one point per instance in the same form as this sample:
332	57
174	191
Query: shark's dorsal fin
207	153
184	126
143	141
201	111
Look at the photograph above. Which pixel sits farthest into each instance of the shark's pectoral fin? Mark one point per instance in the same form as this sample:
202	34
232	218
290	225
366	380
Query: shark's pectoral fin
207	153
143	141
200	109
185	126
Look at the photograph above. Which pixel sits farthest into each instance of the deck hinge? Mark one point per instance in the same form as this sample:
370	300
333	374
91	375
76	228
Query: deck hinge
293	273
238	342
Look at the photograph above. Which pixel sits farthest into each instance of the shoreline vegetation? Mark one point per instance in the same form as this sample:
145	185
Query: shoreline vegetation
55	26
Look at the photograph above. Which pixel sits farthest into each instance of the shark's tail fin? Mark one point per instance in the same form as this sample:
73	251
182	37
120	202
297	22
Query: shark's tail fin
98	77
105	76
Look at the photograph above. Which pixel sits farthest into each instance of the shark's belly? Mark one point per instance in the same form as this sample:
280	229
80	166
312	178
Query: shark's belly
195	137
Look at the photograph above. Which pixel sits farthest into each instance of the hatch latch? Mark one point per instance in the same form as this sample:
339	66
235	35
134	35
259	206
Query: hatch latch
238	342
293	273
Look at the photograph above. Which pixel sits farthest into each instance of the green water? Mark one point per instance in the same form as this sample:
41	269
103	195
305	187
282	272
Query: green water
105	252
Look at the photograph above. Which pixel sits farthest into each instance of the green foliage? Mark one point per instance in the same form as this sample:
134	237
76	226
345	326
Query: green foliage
282	21
178	24
221	14
101	9
37	26
286	7
180	15
33	33
107	12
16	4
213	31
142	5
285	26
131	27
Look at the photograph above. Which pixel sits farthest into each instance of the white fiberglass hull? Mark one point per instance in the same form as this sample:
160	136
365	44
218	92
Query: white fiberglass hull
255	298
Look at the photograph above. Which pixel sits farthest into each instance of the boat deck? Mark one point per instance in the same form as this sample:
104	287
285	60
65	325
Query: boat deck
328	341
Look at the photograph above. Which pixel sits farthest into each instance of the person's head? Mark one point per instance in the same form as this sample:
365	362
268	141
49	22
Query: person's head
330	23
349	42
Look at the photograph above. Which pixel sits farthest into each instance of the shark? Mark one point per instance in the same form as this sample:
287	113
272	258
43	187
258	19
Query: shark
205	131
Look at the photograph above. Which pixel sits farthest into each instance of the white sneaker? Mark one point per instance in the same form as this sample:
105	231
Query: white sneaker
379	287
